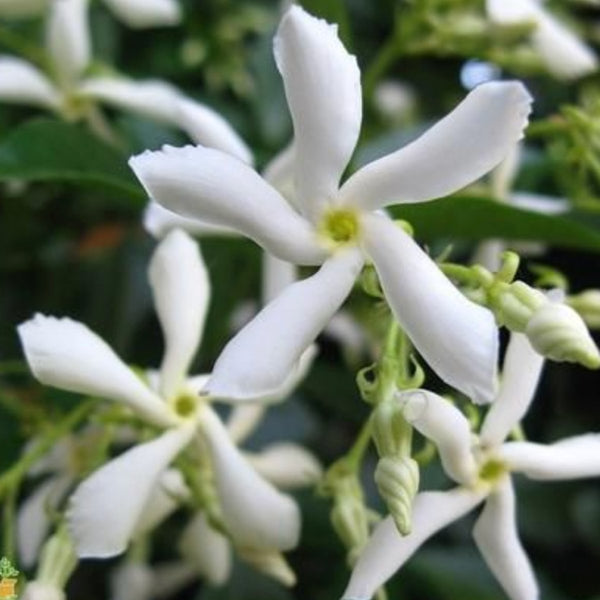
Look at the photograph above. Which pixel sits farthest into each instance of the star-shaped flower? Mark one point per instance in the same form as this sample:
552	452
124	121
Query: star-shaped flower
340	227
106	508
482	467
71	91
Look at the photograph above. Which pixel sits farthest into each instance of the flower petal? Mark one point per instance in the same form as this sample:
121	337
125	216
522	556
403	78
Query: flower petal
106	507
33	520
322	85
387	550
455	336
511	12
68	38
277	337
520	376
204	183
181	291
279	172
276	276
206	550
207	127
498	541
546	205
146	13
572	458
22	83
563	53
455	152
158	221
155	100
287	465
255	513
67	355
440	421
169	492
243	420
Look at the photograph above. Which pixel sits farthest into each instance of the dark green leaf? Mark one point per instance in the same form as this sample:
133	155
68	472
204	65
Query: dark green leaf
49	150
474	219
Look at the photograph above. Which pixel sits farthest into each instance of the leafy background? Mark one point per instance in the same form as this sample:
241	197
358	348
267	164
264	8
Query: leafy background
71	243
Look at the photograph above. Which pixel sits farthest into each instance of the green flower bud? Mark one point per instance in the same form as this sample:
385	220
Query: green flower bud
397	480
587	304
269	562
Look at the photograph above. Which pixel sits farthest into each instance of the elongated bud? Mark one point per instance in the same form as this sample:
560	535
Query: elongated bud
587	304
558	332
271	563
514	304
397	480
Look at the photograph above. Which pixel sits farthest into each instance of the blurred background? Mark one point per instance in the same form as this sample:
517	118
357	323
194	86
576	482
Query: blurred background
72	243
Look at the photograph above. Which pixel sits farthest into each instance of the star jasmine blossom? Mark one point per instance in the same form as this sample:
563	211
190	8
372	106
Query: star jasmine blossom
73	93
340	227
113	503
481	466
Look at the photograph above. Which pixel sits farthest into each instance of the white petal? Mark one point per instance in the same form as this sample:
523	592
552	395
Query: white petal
33	518
440	421
155	100
68	38
22	83
206	550
207	127
498	541
67	355
40	590
146	13
169	492
106	507
212	186
243	420
181	291
387	550
22	8
322	85
171	577
512	12
520	376
257	362
564	54
276	276
131	581
455	336
455	152
488	254
287	465
158	221
572	458
546	205
279	172
255	513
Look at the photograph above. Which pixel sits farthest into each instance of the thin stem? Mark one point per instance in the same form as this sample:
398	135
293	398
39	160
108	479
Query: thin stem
356	453
8	524
380	65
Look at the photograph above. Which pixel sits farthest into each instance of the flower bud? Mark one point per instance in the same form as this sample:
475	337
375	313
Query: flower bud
587	304
558	332
397	480
38	590
271	563
515	304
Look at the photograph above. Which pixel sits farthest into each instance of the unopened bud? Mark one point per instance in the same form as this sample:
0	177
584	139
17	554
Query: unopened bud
271	563
397	480
558	332
37	590
391	432
514	304
587	304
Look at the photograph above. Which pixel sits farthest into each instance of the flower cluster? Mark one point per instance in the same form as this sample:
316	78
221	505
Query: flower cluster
149	442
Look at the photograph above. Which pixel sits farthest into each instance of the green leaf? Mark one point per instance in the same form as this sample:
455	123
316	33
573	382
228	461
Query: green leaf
475	219
50	150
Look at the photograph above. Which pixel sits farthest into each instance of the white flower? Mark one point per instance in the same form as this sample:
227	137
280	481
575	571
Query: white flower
339	227
112	504
562	52
482	468
73	94
135	13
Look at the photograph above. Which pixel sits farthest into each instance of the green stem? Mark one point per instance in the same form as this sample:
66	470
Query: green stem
380	65
8	524
356	453
21	46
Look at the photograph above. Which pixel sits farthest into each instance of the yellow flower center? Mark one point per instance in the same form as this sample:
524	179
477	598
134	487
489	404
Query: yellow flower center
185	405
492	470
339	226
